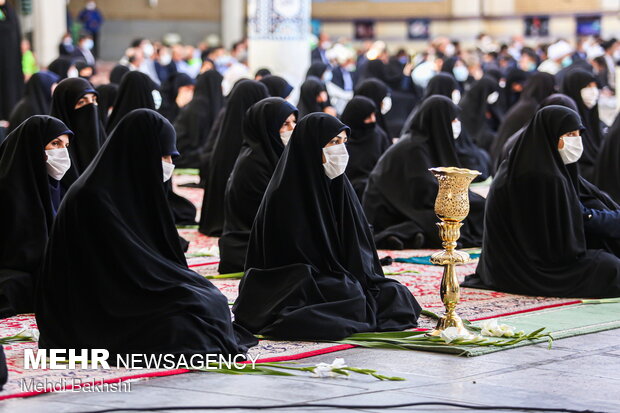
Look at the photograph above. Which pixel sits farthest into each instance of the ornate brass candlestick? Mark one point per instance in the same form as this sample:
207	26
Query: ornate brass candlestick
451	207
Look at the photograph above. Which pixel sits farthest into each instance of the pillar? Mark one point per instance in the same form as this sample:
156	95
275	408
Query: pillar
278	34
49	19
233	21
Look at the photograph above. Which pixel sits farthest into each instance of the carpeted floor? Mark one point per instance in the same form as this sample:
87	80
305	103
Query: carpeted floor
565	317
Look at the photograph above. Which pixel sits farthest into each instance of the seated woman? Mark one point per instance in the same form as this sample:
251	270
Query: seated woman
312	271
400	197
267	127
33	160
379	93
75	103
126	286
479	111
313	96
536	226
37	98
366	144
226	149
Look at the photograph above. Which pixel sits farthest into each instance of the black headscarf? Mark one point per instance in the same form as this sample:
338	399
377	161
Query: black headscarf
11	75
574	81
261	150
554	99
196	119
316	69
442	84
538	87
366	143
135	92
107	96
225	153
176	310
170	91
84	122
607	172
312	271
376	90
514	76
475	107
26	210
534	238
60	66
277	86
116	75
309	91
400	197
37	98
390	74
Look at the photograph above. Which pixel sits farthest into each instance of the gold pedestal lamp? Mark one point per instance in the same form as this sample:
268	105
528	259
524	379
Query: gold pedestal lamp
451	207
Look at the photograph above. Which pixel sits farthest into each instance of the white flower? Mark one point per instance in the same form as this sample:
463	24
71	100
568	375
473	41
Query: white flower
490	328
452	333
31	333
326	370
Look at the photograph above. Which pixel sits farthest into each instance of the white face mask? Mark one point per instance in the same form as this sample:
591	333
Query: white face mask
168	168
156	98
572	150
449	50
460	73
492	98
327	76
456	96
148	50
286	136
72	72
590	96
456	128
58	162
165	59
336	160
386	105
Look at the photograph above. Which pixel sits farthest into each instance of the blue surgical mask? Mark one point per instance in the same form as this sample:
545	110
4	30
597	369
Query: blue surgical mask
460	73
531	66
567	61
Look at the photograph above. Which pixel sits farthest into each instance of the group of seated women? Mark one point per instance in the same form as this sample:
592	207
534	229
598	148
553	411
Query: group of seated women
300	204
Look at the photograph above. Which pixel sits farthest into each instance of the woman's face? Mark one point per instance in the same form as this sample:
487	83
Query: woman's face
289	124
87	99
338	140
322	97
60	142
561	141
371	119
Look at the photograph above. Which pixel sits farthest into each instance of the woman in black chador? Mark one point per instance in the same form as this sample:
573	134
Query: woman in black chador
277	86
313	96
580	85
537	228
366	144
11	75
379	93
312	271
126	286
607	171
538	87
196	119
136	91
75	103
244	94
400	197
37	98
33	159
478	113
266	127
